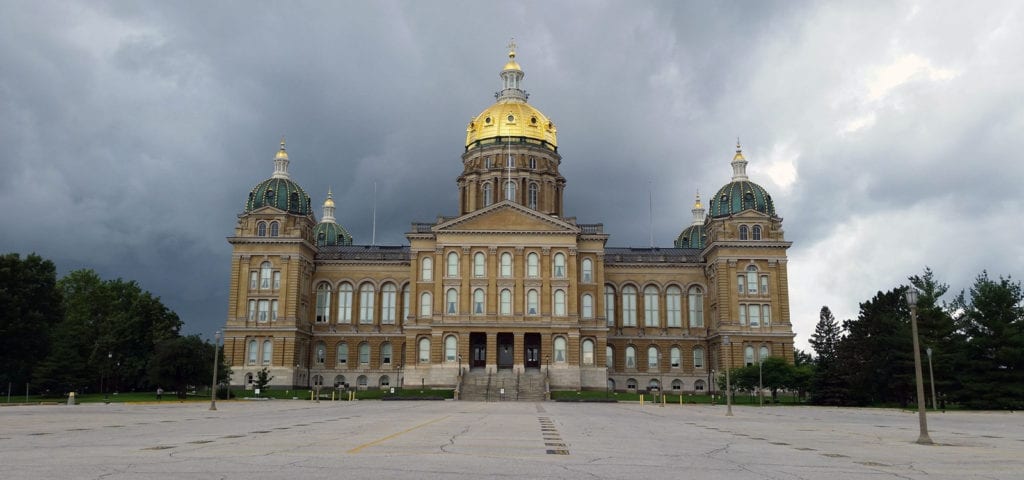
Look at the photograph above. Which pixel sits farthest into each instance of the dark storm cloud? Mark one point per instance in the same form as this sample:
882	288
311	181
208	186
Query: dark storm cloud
133	132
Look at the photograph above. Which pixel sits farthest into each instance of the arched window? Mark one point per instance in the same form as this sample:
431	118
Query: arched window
698	385
630	357
253	352
651	306
756	232
587	352
426	304
318	380
364	354
609	304
675	356
453	265
384	382
588	306
275	229
366	294
450	348
265	275
609	357
506	265
261	229
345	303
427	269
559	303
321	353
752	279
673	306
560	350
506	302
534	189
452	301
424	350
677	385
478	264
339	380
361	382
631	384
653	357
389	296
532	301
743	232
323	303
696	301
532	265
748	355
405	303
385	354
654	384
342	354
478	301
510	189
628	306
559	265
762	353
698	357
488	194
587	270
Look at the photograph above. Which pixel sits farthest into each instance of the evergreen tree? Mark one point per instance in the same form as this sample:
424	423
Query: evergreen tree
937	331
826	383
30	305
876	355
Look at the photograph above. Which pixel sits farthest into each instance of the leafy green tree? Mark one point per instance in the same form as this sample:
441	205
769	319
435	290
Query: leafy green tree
263	378
185	361
30	306
991	363
826	384
876	355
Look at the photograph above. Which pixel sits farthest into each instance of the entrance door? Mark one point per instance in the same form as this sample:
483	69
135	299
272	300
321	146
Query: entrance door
477	350
532	350
506	349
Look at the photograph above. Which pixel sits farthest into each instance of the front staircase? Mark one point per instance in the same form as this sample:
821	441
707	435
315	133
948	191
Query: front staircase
486	385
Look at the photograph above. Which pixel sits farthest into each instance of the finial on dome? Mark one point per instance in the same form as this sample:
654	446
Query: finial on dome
512	64
329	208
698	211
281	162
697	204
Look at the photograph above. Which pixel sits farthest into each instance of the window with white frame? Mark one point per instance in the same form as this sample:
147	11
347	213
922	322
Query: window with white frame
698	357
587	270
743	232
677	385
452	301
506	302
630	357
253	352
364	354
506	265
652	357
261	229
510	190
532	265
405	302
756	232
764	285
264	306
651	306
609	304
277	280
273	310
752	280
532	302
479	269
252	310
426	304
587	352
766	315
558	270
321	353
345	303
696	301
559	303
748	355
560	355
675	356
366	294
698	385
534	189
254	280
424	350
427	269
323	303
385	354
609	357
673	306
741	284
478	302
342	354
268	351
743	314
762	353
588	306
389	295
755	315
275	229
265	276
451	344
628	306
488	194
452	269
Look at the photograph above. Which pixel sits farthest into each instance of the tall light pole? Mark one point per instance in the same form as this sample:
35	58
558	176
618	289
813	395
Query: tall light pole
931	377
922	416
728	383
760	385
213	385
106	399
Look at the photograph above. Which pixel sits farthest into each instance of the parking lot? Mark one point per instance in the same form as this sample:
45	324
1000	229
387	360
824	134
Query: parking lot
449	439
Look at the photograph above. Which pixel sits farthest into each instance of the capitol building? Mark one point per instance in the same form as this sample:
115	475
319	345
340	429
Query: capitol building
509	290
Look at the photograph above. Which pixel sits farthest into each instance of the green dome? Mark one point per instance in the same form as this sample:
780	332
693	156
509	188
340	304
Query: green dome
740	195
692	237
330	233
281	193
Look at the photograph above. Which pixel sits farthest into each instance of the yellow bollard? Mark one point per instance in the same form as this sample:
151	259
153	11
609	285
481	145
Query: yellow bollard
641	399
662	399
311	395
332	395
680	398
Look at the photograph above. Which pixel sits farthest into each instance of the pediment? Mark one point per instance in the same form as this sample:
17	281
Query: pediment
506	217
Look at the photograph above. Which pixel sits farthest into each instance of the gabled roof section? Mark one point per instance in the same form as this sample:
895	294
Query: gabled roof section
506	216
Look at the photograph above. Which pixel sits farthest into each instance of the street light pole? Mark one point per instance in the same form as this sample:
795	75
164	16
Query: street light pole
106	399
728	383
213	385
922	416
760	386
931	377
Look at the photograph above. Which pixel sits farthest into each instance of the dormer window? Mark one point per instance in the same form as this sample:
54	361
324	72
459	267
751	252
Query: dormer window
744	232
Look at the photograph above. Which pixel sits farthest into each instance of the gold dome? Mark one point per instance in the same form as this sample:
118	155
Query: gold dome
281	154
511	119
329	202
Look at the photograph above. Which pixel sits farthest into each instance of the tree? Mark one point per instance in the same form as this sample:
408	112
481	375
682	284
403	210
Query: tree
30	306
991	364
826	383
937	330
263	378
185	361
875	357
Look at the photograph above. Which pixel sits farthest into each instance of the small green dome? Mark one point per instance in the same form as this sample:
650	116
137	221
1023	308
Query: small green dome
281	193
691	237
330	233
740	195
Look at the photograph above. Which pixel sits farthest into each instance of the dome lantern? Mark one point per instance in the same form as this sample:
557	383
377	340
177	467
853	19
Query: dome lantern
281	162
740	194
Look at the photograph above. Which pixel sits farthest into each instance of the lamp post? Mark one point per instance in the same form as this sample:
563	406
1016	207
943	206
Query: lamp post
728	383
106	399
931	378
760	385
213	384
922	416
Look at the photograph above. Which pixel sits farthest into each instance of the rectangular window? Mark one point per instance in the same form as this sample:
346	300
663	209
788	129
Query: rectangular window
366	305
752	283
766	315
345	304
629	310
743	314
264	310
741	284
388	305
277	280
252	310
698	358
609	306
755	315
651	309
673	305
764	285
253	280
273	310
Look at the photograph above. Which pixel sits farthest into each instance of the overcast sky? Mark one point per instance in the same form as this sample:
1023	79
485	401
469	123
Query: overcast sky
889	133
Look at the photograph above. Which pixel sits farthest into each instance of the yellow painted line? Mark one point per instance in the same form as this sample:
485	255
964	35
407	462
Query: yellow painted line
393	435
